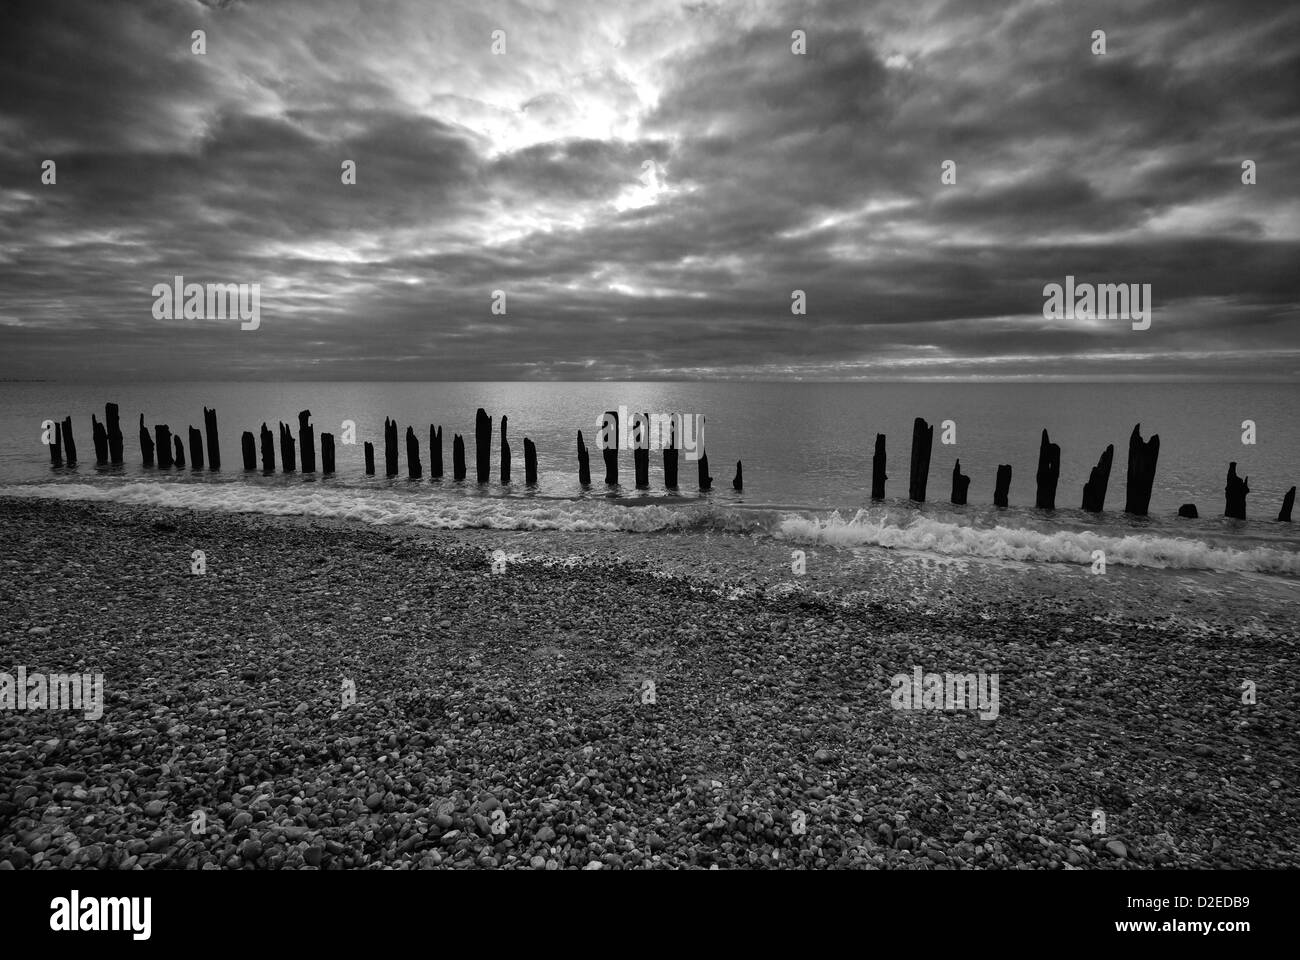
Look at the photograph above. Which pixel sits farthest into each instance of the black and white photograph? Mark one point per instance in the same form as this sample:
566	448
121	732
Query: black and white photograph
674	435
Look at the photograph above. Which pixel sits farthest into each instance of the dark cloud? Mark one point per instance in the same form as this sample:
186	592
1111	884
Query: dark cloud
649	184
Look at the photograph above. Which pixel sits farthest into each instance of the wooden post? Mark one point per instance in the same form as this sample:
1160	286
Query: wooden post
56	448
390	447
163	444
530	462
196	449
69	445
1142	459
146	443
608	449
1094	491
878	477
671	454
113	429
1003	486
288	459
306	442
457	457
922	443
248	447
641	449
370	459
1049	472
1235	494
413	468
482	445
180	451
1287	503
584	463
960	484
1188	510
739	482
327	453
100	439
435	453
505	452
214	444
706	481
268	449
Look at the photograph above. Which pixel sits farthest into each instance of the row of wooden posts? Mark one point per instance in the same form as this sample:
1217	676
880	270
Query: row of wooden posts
169	451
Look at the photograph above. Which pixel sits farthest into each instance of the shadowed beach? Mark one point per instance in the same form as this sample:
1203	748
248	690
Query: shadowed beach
502	719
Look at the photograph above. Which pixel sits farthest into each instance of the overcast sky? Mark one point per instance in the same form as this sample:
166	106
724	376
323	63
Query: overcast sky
770	172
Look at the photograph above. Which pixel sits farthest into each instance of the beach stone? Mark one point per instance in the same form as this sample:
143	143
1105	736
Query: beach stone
313	856
154	808
252	849
1117	848
545	834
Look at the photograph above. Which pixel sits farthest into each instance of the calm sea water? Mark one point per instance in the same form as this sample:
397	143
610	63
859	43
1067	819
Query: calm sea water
806	447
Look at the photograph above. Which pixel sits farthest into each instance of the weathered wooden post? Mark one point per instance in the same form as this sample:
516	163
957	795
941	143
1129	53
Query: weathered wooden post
584	463
248	447
196	449
214	444
922	443
706	481
1287	503
268	449
288	458
390	446
530	462
113	429
505	452
1142	459
69	445
609	448
163	444
960	484
641	449
370	458
1094	491
306	442
56	448
327	453
1003	485
1235	494
413	468
1049	472
671	453
482	445
878	477
100	439
739	482
457	457
146	443
179	456
435	453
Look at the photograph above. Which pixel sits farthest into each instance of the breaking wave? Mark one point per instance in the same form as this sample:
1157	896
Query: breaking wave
868	528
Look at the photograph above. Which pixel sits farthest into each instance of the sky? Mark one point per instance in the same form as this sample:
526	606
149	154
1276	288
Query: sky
648	183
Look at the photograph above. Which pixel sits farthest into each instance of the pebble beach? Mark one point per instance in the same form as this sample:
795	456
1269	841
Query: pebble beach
624	702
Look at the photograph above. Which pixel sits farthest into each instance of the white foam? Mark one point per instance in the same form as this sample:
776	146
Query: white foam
1017	543
892	529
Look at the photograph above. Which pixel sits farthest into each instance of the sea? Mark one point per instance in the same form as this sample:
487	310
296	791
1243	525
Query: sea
806	450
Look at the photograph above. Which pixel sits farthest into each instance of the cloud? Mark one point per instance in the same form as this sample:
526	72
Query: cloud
767	172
